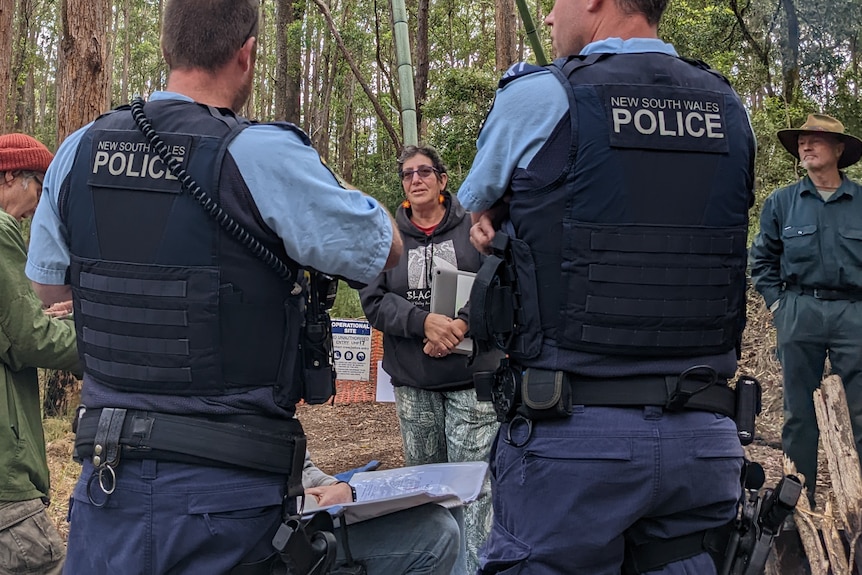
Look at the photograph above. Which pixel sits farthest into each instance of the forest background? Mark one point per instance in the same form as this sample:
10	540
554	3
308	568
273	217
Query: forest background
330	67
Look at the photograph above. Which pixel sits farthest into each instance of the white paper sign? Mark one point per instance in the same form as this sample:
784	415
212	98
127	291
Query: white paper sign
351	342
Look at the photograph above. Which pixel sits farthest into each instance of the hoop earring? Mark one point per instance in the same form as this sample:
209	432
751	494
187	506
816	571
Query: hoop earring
405	204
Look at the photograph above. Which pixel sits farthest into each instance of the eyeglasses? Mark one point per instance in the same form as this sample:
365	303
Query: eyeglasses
39	180
424	172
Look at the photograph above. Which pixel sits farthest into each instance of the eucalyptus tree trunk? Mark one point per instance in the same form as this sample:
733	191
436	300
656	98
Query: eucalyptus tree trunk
288	75
790	52
82	78
127	55
7	11
505	37
159	80
420	82
307	103
345	149
22	121
265	106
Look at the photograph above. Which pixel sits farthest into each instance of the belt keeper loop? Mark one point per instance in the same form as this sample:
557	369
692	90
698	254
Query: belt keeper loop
106	444
676	399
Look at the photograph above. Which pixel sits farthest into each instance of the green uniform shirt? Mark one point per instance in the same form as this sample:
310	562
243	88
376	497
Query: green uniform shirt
804	241
28	339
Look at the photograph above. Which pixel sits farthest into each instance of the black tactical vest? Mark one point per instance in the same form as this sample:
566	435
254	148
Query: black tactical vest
639	246
165	301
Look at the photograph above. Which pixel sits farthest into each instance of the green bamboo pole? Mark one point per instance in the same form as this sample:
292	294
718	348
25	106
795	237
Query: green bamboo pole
405	74
532	34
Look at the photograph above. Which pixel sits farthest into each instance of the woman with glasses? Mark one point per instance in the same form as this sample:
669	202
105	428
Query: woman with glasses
441	421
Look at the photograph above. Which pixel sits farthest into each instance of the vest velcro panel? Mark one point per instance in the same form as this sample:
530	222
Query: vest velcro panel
651	290
139	333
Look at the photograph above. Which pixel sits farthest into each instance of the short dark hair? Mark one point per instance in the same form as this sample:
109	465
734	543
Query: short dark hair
410	151
205	34
651	9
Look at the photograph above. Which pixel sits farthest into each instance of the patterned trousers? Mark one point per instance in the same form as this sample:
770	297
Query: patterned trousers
29	542
450	426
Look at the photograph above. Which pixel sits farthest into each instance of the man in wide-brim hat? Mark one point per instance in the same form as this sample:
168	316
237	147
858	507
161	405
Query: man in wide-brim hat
829	128
806	262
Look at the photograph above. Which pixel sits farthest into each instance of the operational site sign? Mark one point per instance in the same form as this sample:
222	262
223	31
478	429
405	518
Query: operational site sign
351	342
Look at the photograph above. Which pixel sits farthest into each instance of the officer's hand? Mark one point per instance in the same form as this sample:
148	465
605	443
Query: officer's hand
331	494
482	232
459	329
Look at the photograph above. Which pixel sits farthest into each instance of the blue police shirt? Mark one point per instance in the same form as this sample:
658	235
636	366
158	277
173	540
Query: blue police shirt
297	196
524	114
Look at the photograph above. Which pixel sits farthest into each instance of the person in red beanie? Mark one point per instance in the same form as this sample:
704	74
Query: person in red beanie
23	163
29	339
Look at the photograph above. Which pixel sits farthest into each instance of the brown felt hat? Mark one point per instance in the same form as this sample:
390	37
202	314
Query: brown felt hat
20	152
822	123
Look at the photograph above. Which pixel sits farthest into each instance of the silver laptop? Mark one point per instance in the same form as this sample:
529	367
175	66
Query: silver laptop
450	290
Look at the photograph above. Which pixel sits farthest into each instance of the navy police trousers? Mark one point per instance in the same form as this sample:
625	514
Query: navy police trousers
566	491
172	518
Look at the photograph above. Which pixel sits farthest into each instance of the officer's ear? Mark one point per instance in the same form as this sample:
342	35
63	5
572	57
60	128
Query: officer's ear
246	54
596	5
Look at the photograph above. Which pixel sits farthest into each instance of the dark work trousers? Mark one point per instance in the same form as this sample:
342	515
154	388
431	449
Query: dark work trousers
809	329
566	492
172	519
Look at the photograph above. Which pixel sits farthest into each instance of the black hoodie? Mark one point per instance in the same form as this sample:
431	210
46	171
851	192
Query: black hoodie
398	301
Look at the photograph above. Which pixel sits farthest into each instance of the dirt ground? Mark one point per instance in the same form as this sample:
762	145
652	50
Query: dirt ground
344	436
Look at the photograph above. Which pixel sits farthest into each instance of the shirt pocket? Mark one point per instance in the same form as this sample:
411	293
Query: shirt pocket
801	250
850	255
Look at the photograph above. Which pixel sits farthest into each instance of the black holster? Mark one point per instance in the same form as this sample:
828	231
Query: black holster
501	387
318	369
302	547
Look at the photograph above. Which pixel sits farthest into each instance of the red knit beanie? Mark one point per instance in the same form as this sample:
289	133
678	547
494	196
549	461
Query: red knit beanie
20	152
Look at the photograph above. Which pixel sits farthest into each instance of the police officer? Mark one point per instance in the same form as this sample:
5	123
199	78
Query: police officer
621	176
805	263
190	342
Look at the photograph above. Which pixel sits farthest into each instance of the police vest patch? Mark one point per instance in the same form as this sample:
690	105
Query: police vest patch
119	156
665	118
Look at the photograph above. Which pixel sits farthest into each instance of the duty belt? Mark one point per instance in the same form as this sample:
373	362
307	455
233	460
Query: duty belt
827	294
669	392
265	444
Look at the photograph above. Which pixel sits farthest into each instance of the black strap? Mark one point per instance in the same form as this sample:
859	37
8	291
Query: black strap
827	294
254	442
576	62
656	553
670	392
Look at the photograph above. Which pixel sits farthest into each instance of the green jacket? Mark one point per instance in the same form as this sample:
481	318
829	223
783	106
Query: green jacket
28	339
804	241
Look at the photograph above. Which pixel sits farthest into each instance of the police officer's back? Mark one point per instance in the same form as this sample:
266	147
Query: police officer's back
191	304
622	190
